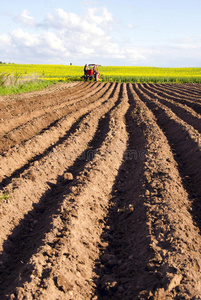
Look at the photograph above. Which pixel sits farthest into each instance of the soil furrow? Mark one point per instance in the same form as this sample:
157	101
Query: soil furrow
189	132
186	144
31	186
166	92
18	156
102	168
111	93
154	247
171	91
36	125
104	203
142	259
17	105
32	180
126	233
192	88
184	112
52	102
32	103
196	106
57	87
31	183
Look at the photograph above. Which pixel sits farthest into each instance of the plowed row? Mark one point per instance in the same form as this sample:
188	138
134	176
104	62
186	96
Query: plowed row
102	192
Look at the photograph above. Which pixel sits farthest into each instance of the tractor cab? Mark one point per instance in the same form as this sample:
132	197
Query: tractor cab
91	71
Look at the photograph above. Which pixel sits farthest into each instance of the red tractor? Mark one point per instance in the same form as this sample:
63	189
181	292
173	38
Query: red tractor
91	71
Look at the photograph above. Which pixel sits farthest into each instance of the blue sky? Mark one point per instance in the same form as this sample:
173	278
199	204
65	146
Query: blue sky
123	33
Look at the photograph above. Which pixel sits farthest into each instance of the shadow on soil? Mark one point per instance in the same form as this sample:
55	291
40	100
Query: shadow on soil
61	140
186	151
28	236
122	269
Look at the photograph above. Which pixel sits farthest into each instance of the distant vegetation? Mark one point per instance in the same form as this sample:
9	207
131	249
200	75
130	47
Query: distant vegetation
16	78
152	74
16	83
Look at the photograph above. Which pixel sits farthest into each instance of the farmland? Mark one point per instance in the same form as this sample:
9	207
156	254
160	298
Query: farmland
100	192
109	73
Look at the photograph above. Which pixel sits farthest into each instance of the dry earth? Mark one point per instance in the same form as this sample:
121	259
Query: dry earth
100	188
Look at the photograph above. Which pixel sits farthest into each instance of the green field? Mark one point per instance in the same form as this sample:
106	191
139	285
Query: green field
21	73
152	74
108	73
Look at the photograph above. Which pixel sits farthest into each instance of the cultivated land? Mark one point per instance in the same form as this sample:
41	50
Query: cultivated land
100	192
108	73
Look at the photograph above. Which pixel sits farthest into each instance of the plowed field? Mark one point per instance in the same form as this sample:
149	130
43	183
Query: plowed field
101	192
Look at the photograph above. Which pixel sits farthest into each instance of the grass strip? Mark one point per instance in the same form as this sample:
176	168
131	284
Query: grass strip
25	87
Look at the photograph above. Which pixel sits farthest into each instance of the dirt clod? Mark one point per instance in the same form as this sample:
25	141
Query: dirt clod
63	284
68	177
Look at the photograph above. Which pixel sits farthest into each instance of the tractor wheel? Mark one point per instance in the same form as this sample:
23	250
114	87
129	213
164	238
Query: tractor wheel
97	77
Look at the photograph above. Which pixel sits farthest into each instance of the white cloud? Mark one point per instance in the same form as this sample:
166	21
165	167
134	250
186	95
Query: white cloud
103	17
66	34
64	21
21	38
53	42
25	18
63	37
5	41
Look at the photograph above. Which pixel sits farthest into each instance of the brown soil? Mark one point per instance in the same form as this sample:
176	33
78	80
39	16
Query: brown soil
100	192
